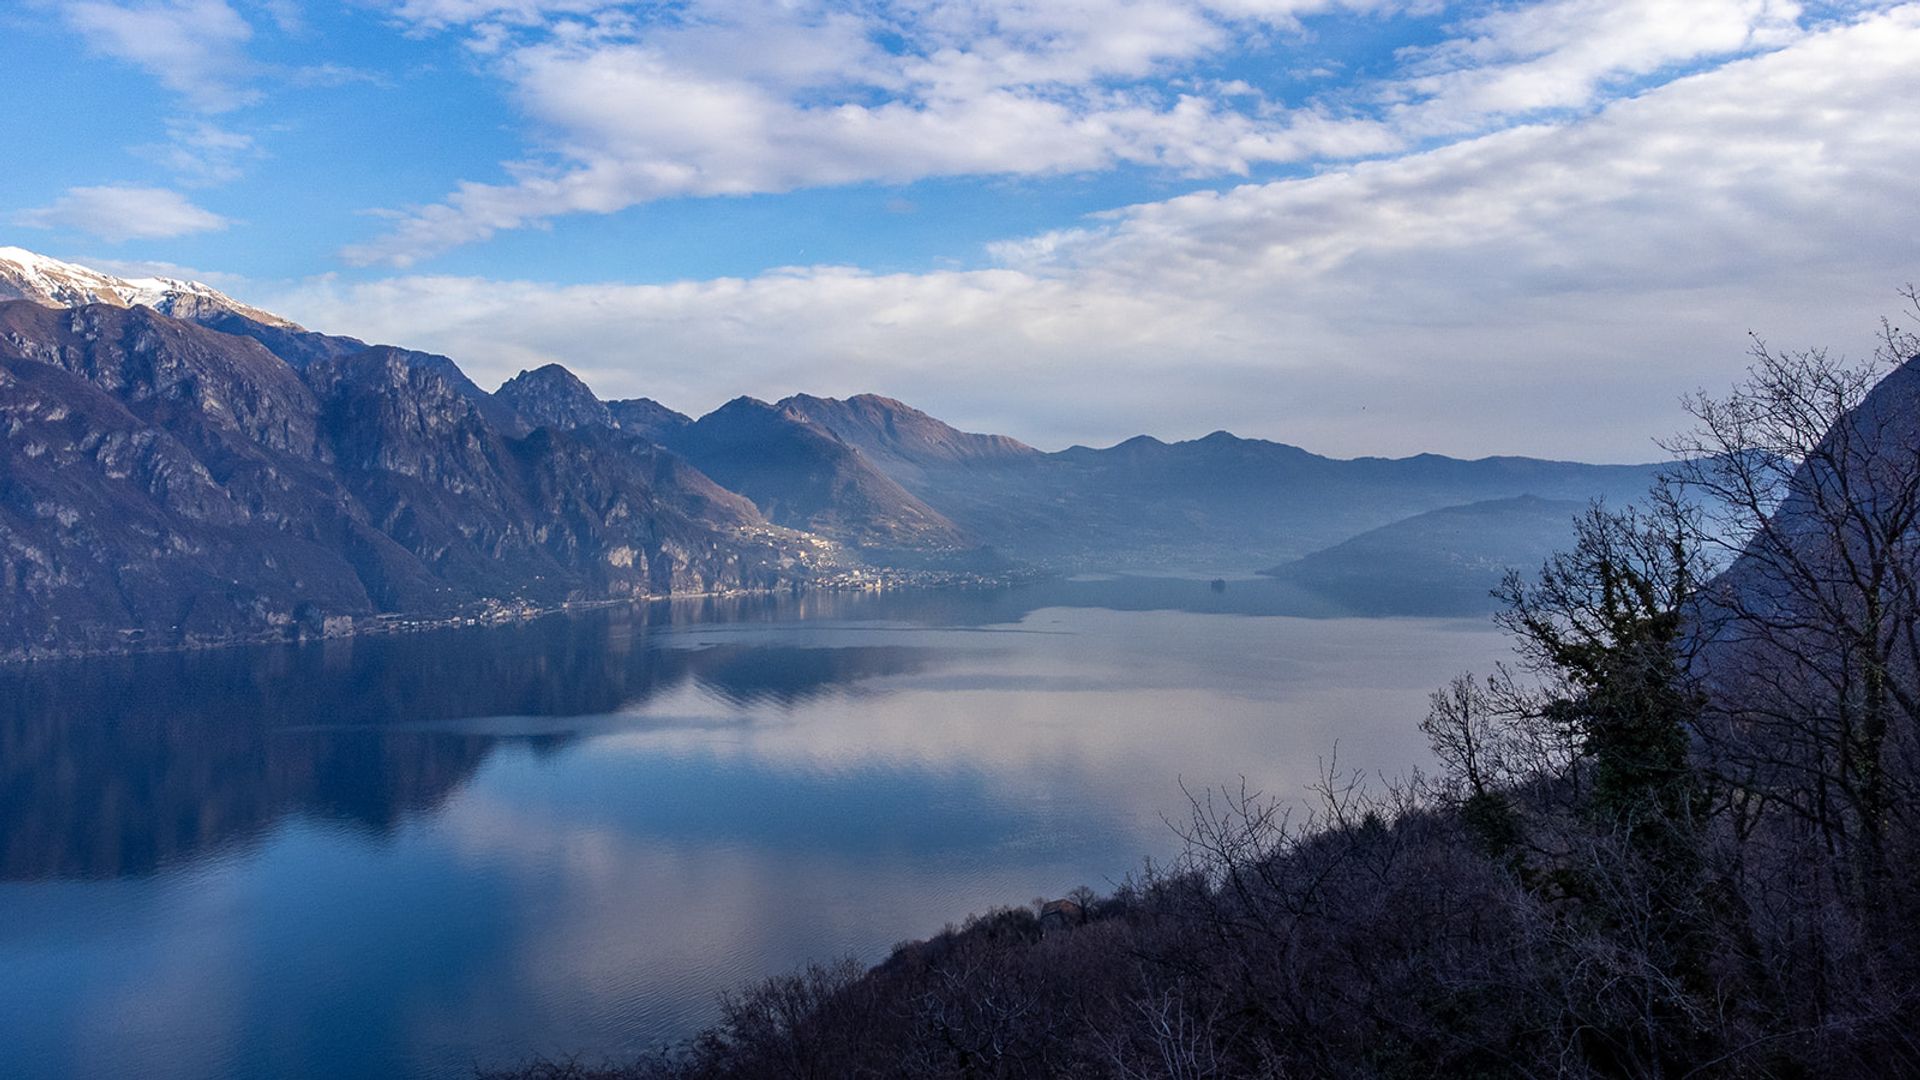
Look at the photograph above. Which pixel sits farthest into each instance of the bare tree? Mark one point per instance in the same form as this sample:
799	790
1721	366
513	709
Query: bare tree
1805	481
1490	737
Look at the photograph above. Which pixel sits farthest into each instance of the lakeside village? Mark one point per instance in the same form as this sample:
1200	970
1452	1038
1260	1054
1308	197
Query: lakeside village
309	625
494	612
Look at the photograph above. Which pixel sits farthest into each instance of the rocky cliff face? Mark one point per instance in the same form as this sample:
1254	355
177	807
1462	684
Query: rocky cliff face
157	479
161	483
554	397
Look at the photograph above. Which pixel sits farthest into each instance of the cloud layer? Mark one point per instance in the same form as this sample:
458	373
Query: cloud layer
121	212
1591	267
731	97
195	48
1526	227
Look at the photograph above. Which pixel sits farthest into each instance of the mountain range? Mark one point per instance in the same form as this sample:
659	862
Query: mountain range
179	467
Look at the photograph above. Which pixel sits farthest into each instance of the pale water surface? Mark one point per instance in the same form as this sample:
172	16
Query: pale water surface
403	856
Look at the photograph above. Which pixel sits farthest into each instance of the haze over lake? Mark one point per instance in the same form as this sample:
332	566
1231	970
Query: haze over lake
406	855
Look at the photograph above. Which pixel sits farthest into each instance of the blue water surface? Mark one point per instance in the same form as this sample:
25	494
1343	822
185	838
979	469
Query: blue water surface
405	856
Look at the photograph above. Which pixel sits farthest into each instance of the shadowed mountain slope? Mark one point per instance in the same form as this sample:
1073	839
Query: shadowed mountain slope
162	482
648	419
800	475
901	440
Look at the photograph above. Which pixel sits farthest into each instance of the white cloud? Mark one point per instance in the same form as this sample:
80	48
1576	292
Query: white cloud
160	268
1592	269
117	213
721	97
1793	151
1562	54
201	153
196	48
738	96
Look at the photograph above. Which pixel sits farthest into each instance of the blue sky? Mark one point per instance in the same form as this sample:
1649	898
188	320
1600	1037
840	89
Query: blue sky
1341	223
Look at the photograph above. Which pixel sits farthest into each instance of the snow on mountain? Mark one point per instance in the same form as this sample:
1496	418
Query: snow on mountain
27	275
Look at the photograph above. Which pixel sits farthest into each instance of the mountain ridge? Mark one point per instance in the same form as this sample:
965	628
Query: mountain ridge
552	396
29	275
398	485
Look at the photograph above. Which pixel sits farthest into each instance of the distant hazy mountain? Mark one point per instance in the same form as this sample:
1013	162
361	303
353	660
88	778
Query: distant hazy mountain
1218	500
25	275
800	475
1444	561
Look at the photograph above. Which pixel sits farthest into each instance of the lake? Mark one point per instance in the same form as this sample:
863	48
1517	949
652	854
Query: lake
407	855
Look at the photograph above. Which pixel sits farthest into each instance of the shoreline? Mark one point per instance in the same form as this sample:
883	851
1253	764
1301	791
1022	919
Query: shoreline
494	612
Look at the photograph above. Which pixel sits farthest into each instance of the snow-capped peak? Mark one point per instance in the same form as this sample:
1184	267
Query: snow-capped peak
29	275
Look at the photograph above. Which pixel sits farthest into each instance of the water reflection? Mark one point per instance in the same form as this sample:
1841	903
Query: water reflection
397	856
118	766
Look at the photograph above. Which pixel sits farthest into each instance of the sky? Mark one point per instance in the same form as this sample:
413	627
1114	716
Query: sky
1358	226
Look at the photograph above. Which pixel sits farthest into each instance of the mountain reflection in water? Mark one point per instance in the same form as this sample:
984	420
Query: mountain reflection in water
116	766
401	855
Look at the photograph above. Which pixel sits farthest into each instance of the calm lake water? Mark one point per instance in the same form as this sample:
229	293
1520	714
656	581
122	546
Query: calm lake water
402	856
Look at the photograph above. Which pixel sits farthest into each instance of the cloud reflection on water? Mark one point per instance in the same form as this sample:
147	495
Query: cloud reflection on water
406	854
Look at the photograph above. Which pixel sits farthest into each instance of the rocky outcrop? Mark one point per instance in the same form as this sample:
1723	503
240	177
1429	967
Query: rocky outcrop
554	397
